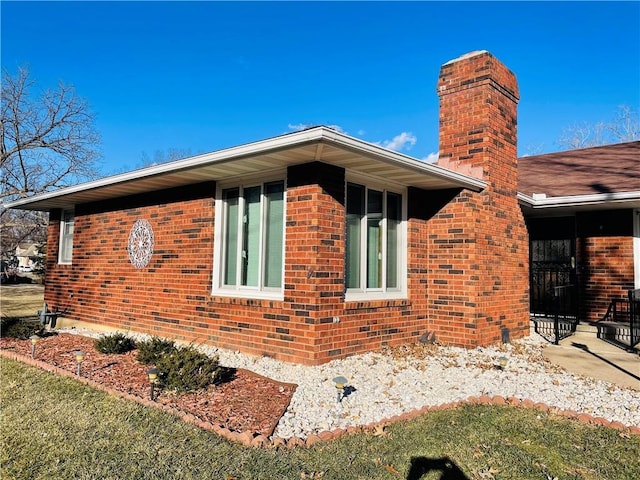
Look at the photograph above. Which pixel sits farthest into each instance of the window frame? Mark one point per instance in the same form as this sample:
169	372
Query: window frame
363	292
261	291
66	239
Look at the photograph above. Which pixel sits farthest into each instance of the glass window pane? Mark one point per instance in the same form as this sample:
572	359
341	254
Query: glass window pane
230	255
394	213
66	236
274	194
355	212
68	223
251	237
374	239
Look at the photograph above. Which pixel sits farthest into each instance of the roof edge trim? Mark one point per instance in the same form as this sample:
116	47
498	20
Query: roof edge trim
578	200
317	134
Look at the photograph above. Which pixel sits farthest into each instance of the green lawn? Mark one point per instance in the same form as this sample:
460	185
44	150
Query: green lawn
22	300
56	428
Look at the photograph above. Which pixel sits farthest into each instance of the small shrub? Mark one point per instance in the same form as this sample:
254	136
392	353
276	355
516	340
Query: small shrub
187	369
115	343
150	351
20	328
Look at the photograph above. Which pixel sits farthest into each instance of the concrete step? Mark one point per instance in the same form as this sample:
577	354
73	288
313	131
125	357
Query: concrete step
585	327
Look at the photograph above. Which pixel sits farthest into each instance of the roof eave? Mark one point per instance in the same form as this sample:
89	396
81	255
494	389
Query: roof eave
227	154
290	141
384	154
582	202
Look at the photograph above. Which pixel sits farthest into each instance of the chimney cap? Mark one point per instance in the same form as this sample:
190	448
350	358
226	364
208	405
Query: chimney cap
468	55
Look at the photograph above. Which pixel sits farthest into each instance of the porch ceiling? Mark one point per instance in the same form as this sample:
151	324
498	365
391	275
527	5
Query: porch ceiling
316	144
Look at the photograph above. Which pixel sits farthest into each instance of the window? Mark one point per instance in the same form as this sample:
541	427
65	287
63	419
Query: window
251	252
66	237
374	258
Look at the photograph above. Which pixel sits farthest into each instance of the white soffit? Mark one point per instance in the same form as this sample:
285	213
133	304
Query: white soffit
316	144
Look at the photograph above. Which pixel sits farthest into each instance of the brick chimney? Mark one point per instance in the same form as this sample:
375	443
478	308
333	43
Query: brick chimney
489	253
478	117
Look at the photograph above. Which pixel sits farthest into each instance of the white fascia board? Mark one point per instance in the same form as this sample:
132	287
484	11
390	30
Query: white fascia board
579	200
184	164
290	140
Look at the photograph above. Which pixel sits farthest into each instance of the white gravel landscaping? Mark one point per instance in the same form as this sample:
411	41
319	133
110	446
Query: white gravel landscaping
406	379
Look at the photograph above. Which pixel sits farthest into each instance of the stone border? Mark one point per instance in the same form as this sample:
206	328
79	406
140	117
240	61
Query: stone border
262	441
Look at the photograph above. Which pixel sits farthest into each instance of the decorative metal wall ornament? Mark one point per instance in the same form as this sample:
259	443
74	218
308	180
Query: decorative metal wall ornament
141	243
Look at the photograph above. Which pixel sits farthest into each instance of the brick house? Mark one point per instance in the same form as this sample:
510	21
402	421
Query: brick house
313	245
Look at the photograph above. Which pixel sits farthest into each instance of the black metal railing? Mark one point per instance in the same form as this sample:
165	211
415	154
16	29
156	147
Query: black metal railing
544	278
559	320
634	317
621	324
563	299
617	311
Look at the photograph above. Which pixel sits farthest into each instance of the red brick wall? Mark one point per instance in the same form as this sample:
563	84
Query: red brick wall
608	274
108	290
605	259
172	296
467	252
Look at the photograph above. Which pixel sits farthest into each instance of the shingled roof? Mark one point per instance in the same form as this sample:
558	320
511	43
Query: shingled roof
607	169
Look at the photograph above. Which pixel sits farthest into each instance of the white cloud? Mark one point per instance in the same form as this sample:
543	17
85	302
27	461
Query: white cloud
337	128
297	127
405	140
431	158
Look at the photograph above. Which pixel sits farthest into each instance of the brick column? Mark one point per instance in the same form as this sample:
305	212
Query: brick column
314	267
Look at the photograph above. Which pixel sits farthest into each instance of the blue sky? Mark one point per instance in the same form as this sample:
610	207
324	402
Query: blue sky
201	76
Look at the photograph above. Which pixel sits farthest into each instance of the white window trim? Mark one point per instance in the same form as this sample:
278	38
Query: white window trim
218	288
61	240
359	295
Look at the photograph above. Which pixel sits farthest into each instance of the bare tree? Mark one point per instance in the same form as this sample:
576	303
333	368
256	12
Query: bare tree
162	156
48	141
159	157
624	128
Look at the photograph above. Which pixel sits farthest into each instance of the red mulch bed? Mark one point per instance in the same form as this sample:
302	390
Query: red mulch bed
246	402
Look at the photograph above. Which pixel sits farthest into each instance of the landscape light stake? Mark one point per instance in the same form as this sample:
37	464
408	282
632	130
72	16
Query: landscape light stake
153	378
340	382
79	358
502	362
34	339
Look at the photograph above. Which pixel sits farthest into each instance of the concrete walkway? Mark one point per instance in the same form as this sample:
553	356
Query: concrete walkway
585	354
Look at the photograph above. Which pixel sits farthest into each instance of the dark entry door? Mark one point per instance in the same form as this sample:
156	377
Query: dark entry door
553	268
